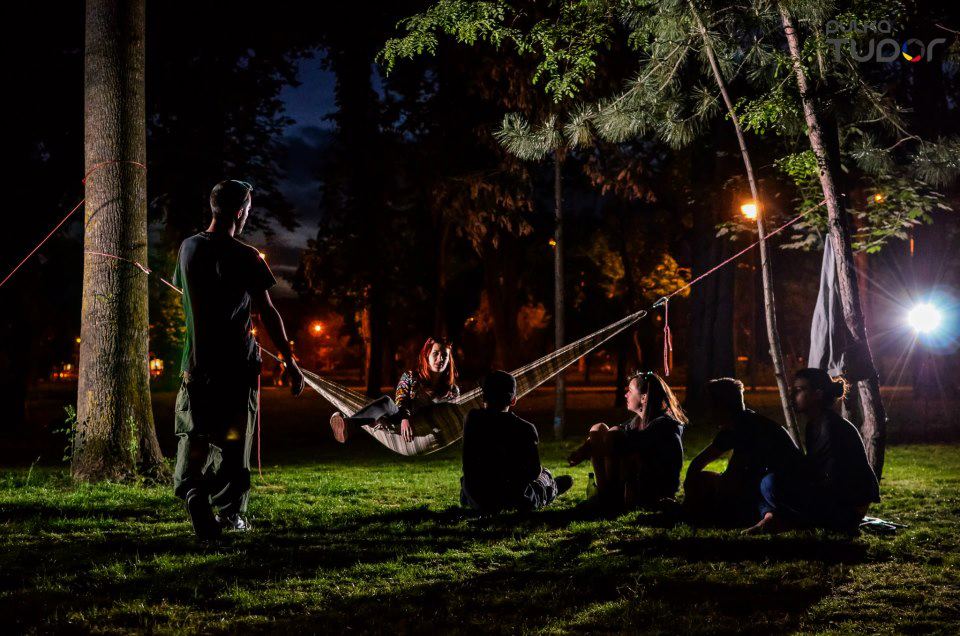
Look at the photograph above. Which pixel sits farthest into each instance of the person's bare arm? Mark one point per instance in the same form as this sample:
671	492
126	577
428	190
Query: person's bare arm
273	322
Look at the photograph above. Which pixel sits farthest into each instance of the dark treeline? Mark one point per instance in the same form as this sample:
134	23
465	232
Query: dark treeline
428	226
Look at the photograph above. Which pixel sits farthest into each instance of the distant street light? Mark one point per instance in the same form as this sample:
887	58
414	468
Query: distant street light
316	328
878	197
749	210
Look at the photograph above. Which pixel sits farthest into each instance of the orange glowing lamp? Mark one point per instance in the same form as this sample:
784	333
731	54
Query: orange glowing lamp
749	210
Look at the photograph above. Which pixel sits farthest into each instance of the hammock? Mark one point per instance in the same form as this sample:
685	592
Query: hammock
438	425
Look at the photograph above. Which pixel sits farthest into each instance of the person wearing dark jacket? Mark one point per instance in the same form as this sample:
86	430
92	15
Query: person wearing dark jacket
501	458
835	484
759	447
638	463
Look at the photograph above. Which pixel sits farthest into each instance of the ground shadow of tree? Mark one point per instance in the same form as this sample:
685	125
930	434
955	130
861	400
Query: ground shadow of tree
648	582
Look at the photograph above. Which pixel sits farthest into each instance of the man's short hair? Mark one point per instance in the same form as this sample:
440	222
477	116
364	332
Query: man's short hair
726	392
229	196
499	389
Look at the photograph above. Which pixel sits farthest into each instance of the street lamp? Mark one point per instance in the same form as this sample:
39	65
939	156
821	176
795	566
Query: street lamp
316	328
749	210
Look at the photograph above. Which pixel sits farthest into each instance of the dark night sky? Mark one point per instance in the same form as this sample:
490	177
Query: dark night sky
305	141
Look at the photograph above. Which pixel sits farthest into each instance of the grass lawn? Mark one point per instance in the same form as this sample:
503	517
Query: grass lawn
361	540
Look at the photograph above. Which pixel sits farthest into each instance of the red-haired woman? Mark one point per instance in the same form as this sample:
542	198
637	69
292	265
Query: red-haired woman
638	462
433	380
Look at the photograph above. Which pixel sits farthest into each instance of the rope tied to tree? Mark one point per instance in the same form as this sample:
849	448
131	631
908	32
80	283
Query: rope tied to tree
56	227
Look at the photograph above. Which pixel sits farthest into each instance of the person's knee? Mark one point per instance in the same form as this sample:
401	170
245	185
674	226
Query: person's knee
768	487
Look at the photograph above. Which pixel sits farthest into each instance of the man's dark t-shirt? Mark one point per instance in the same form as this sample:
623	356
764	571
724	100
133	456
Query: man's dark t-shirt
760	446
837	461
218	274
500	456
660	448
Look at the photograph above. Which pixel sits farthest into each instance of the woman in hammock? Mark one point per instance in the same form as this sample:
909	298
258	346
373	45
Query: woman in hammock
433	380
637	464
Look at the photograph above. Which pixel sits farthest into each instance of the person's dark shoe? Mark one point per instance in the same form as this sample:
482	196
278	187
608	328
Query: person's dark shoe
201	516
564	483
341	431
233	523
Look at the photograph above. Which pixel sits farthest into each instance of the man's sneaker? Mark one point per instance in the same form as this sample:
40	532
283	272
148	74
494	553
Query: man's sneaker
564	483
339	426
201	516
233	523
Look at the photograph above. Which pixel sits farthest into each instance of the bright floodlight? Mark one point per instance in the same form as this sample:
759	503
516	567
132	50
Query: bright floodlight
749	210
924	318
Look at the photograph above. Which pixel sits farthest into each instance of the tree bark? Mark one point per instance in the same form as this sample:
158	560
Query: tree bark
874	425
440	329
766	266
560	399
115	434
372	327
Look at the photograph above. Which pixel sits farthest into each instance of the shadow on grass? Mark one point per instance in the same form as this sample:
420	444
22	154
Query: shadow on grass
398	575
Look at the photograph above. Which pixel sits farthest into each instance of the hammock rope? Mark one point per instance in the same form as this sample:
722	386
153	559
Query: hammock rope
441	424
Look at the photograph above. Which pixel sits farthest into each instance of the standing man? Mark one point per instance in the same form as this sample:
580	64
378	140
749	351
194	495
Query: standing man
223	280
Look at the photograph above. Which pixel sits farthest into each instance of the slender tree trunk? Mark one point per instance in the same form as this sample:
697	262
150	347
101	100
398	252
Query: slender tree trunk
440	329
711	353
115	434
501	288
560	402
372	327
766	266
874	426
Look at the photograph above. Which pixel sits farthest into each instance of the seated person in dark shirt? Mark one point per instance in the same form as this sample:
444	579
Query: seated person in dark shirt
835	484
501	462
637	464
760	446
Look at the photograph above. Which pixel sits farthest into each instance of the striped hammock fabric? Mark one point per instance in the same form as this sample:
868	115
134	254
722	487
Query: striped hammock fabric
441	424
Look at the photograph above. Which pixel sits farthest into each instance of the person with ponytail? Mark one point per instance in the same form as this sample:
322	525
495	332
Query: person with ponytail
637	464
835	484
434	379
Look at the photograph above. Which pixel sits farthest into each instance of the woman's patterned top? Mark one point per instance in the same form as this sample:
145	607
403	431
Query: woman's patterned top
413	393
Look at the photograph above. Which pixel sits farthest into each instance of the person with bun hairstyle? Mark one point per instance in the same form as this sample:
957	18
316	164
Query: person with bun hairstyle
835	484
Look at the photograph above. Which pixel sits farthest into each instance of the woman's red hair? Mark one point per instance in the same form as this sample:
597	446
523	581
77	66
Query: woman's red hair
447	378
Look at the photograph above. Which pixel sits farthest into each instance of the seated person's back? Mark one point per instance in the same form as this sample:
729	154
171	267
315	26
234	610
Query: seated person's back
501	461
500	456
760	446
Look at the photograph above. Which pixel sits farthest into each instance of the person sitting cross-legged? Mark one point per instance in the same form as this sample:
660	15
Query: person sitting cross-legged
760	446
835	484
501	459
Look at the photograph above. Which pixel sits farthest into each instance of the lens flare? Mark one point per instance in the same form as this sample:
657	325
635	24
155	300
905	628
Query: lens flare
924	318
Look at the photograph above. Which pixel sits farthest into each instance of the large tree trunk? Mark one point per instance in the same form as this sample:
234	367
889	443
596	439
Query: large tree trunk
766	266
560	400
874	425
115	434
